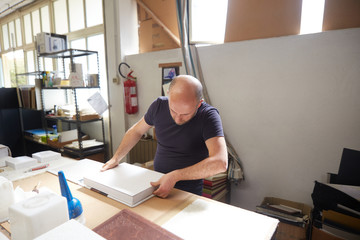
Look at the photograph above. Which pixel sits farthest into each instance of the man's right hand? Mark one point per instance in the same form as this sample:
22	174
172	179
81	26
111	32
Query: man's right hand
109	164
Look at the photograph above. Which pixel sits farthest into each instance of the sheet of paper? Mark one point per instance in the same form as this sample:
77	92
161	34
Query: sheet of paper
214	220
166	88
76	171
98	103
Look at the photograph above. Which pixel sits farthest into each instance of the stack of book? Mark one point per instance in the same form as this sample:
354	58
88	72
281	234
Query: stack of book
284	213
215	187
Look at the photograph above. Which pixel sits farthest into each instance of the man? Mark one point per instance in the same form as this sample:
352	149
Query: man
191	144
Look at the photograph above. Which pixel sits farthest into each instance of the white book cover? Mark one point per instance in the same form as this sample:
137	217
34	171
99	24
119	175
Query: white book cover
126	183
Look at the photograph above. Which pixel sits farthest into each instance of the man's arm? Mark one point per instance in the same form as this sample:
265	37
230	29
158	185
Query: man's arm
215	163
132	136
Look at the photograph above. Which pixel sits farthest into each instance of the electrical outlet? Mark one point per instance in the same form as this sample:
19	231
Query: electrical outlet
116	80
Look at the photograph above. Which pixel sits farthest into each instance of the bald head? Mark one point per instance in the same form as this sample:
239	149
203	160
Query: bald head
186	85
185	97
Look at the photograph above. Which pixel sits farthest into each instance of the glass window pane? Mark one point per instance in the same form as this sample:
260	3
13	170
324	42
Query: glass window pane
10	60
8	63
60	15
48	64
94	12
36	22
5	34
20	67
30	66
12	34
312	13
76	12
96	43
204	26
45	19
80	44
27	29
18	32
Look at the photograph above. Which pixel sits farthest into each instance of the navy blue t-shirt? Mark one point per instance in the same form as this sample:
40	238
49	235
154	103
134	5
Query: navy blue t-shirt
180	146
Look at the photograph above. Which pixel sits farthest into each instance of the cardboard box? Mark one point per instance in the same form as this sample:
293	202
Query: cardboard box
318	234
285	230
165	10
50	42
153	37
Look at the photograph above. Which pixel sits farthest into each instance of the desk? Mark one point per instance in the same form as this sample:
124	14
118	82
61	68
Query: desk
98	208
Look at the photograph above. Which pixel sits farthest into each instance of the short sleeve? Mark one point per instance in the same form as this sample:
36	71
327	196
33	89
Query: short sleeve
212	125
151	112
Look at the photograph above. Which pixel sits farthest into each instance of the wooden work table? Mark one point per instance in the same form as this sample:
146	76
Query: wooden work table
98	208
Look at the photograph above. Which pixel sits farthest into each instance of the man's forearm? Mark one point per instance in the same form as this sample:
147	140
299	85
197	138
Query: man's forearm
132	136
128	142
214	164
206	168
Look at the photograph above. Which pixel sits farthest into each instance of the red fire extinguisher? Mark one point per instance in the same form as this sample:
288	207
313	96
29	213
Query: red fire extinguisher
130	92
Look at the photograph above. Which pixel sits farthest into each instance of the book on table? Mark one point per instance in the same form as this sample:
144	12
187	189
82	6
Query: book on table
129	225
126	183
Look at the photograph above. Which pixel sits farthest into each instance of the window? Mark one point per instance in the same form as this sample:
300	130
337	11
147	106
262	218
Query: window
12	34
76	12
18	32
80	44
30	66
36	22
312	16
204	27
27	29
45	19
61	22
93	12
13	62
18	53
5	34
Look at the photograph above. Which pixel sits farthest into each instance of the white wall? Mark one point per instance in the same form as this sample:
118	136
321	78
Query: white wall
149	77
289	105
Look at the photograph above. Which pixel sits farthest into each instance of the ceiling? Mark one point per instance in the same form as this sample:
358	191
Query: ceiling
9	6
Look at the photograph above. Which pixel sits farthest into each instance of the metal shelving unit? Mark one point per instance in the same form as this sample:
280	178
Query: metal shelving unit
81	152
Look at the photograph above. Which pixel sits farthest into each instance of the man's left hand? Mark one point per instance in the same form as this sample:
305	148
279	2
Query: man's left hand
164	185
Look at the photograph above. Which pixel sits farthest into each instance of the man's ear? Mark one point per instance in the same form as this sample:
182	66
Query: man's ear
201	101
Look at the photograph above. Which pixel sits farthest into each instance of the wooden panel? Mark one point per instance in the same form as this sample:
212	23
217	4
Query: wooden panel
249	19
341	14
